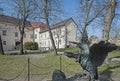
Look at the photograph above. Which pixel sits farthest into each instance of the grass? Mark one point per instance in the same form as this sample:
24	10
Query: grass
112	70
114	54
44	65
12	65
75	49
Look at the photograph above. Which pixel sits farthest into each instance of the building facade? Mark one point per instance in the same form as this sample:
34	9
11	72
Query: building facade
63	32
10	34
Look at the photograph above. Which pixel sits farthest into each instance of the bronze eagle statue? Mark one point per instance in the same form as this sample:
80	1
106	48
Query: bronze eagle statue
92	57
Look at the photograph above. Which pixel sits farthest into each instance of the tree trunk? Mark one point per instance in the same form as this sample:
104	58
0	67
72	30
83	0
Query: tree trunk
108	19
21	44
1	46
22	34
84	38
48	26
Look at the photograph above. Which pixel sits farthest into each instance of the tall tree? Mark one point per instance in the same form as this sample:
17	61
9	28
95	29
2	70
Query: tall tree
50	12
115	32
91	9
1	45
110	14
1	9
46	14
24	9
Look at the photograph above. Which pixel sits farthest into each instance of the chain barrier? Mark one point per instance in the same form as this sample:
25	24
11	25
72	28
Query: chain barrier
40	68
3	79
29	64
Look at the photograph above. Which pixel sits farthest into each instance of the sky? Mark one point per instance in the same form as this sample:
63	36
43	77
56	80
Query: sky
70	7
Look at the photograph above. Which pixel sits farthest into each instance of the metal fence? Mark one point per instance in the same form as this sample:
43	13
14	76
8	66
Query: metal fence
29	75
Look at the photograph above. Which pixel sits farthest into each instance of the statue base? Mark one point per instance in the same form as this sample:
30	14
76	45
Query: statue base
60	76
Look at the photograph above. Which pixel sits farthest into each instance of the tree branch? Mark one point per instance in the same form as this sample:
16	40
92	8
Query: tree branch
97	14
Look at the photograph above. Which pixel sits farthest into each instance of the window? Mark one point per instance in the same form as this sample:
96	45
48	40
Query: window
4	42
41	43
49	43
60	42
4	32
56	42
16	34
41	36
53	32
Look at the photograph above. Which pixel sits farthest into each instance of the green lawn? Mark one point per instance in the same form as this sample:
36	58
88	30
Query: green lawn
75	49
11	66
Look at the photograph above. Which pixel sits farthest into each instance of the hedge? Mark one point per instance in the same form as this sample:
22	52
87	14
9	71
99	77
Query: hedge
31	46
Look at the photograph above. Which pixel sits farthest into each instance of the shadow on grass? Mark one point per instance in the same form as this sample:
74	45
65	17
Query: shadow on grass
115	57
107	73
26	52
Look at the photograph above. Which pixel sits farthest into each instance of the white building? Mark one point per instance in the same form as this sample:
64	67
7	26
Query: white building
63	32
9	32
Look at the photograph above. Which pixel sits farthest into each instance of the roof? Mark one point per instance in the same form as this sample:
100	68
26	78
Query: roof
38	24
59	24
12	20
15	21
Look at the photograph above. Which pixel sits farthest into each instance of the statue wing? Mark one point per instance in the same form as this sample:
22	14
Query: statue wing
98	52
71	55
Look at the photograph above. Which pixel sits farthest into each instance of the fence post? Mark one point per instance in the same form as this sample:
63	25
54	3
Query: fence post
60	63
28	69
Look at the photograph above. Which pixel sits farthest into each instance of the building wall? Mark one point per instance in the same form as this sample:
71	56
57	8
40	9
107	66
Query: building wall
28	36
10	38
115	41
61	35
71	32
45	41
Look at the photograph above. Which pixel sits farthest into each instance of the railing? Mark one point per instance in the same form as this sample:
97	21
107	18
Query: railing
29	74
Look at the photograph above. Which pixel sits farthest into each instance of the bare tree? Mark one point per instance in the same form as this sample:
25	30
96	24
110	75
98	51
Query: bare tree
1	45
58	33
24	9
115	32
1	10
91	9
46	13
110	14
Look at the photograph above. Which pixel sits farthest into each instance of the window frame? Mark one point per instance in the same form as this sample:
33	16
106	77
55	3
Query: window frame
4	43
4	32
